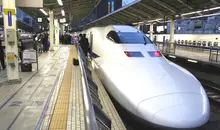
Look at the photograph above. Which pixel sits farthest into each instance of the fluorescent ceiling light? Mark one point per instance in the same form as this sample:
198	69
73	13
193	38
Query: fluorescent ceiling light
63	20
60	2
205	15
155	20
43	11
62	12
200	11
193	61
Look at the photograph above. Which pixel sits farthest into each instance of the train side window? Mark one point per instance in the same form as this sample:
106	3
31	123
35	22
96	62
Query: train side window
113	36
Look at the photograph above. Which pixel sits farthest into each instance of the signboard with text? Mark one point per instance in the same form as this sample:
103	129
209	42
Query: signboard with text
39	20
29	56
27	3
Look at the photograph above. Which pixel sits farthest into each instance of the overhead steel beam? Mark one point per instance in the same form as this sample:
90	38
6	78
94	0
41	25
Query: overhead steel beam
127	16
142	12
116	20
134	15
127	19
120	19
214	2
168	7
188	6
152	9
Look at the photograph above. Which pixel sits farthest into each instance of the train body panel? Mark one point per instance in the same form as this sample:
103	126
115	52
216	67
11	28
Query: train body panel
149	86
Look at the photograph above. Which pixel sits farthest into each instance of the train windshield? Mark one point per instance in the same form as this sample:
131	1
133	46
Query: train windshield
133	38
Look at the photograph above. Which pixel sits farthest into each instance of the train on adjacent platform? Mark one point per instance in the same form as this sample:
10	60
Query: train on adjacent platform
143	81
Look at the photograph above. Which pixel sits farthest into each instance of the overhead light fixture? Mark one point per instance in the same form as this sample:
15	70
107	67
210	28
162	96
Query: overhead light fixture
63	20
43	11
62	12
200	11
48	19
60	2
208	15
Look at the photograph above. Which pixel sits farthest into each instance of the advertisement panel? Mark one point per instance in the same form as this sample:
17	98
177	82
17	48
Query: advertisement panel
28	3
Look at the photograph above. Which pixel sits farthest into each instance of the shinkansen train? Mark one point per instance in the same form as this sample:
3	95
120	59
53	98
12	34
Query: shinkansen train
144	82
190	39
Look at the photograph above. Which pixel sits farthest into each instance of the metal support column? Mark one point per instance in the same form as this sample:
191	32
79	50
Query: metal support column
57	33
171	45
62	29
11	43
51	16
151	31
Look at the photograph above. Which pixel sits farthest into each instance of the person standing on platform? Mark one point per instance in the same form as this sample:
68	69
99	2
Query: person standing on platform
2	55
46	42
84	44
62	39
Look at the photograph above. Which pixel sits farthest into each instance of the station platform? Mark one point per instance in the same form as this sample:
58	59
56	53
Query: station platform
50	98
192	53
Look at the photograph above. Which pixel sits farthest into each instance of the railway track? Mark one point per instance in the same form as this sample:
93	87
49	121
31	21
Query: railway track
213	93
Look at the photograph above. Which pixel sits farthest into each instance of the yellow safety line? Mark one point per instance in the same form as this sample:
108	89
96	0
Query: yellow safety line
60	114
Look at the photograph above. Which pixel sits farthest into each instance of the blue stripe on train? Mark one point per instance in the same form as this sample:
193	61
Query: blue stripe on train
94	55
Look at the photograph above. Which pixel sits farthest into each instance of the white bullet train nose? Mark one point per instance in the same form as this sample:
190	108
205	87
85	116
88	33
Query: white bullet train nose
182	110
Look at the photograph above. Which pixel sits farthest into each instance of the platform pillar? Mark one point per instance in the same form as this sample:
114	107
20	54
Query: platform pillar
151	31
62	29
57	33
11	44
171	45
51	17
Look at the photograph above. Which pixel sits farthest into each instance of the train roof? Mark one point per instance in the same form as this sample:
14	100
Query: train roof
124	28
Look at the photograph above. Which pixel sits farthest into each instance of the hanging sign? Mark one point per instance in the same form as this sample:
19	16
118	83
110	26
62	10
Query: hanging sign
10	13
27	3
9	18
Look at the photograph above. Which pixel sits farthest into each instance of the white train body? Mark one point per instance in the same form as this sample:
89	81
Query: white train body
149	86
213	38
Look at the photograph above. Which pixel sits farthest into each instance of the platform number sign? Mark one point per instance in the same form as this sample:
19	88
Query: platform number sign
9	18
10	13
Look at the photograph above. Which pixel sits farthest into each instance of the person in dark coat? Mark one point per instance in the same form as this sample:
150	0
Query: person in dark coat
2	55
46	42
62	39
84	44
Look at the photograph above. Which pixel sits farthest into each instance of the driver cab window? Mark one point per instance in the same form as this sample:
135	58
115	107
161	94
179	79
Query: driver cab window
113	36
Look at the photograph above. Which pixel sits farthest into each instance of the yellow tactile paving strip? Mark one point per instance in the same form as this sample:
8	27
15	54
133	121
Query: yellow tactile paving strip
60	114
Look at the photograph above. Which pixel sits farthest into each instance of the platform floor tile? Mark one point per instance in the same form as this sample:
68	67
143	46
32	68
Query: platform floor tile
24	109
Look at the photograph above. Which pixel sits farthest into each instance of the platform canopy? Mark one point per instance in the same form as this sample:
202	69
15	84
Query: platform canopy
154	10
75	10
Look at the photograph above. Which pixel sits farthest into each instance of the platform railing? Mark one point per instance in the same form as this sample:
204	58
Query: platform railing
90	120
213	50
95	118
214	54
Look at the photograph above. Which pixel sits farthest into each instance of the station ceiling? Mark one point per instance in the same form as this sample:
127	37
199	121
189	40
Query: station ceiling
75	10
148	10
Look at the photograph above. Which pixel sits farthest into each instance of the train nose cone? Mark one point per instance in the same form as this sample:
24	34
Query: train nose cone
181	117
175	110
